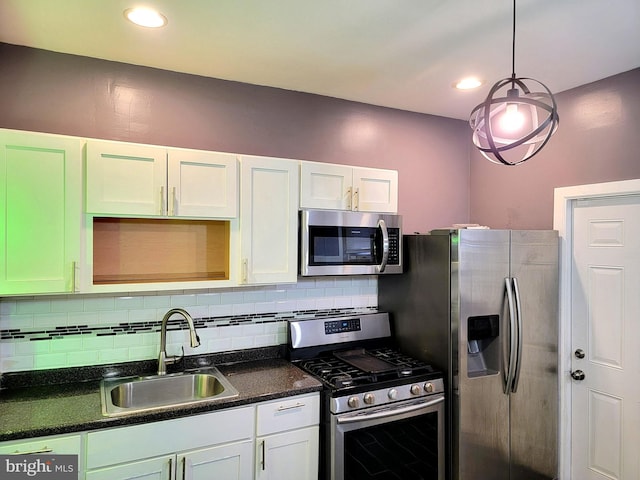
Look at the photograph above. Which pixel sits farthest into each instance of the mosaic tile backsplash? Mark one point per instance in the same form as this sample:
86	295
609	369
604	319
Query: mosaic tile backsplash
38	333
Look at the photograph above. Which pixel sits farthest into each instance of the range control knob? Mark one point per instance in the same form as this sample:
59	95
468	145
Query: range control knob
369	398
428	387
392	394
415	389
353	402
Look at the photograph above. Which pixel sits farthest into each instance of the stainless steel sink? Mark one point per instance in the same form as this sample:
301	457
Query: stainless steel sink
121	396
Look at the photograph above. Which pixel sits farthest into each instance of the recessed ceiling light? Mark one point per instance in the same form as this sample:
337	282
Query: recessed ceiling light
145	17
468	83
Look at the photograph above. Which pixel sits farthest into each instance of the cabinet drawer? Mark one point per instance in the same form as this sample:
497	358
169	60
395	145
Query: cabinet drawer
288	413
64	445
126	444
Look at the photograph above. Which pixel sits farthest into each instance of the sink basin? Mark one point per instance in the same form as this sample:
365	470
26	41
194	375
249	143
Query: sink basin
123	396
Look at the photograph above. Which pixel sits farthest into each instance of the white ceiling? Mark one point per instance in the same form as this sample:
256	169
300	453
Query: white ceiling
403	54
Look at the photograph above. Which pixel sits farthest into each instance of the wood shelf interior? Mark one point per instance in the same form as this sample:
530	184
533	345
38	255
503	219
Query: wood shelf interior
141	250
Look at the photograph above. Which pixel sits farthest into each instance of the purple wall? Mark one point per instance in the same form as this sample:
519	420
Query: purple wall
598	140
57	93
442	179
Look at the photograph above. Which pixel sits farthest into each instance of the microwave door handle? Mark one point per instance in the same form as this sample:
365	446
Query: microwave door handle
385	245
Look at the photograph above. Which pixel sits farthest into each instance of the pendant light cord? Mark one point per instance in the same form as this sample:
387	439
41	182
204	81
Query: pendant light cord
513	46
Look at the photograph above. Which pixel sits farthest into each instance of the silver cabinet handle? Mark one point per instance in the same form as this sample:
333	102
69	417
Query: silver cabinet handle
579	353
356	199
162	200
44	449
74	276
349	198
172	202
282	408
245	270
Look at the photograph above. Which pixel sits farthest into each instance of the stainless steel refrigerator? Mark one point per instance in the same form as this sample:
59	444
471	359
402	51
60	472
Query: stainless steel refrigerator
482	305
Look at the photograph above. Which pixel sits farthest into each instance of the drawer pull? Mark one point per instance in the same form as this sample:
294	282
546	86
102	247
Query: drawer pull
282	408
44	449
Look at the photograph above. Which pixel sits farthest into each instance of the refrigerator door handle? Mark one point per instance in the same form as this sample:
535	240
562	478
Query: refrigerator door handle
518	367
513	338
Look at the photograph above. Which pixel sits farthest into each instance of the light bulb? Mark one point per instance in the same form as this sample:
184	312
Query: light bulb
145	17
511	120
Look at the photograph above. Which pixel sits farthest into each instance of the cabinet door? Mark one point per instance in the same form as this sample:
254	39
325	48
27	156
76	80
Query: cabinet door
228	462
40	212
158	468
325	186
202	184
268	220
290	455
125	178
375	190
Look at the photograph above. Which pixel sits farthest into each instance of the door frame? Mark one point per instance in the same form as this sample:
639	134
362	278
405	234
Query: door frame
563	204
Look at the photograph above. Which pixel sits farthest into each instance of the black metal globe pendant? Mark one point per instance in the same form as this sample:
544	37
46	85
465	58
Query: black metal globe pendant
517	118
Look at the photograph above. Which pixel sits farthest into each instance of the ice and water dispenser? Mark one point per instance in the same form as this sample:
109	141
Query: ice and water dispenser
483	345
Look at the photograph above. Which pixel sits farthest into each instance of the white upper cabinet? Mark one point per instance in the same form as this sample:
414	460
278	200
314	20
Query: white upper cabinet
40	212
133	179
325	186
125	179
375	190
341	187
268	220
202	184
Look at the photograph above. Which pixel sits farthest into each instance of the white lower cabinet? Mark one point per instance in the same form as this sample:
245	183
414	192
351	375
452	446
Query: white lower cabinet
53	445
230	462
212	445
287	439
290	455
153	468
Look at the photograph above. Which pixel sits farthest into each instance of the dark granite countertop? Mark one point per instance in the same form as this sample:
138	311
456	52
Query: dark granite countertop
29	409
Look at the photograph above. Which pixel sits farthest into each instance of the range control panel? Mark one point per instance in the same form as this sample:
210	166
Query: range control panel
313	332
342	326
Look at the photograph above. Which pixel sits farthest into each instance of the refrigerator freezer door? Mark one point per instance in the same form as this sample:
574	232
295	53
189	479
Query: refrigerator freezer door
534	263
482	406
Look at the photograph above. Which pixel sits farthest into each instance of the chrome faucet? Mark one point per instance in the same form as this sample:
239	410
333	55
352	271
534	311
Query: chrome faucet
163	359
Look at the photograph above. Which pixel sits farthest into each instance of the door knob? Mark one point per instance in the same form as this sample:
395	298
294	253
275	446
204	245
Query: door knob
579	353
577	375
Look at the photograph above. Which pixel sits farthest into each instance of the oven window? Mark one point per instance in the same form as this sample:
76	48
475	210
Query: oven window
398	450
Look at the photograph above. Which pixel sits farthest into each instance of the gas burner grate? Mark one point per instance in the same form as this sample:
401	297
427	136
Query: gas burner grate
337	373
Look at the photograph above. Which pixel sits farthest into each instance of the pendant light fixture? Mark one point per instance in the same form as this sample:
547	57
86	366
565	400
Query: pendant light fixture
516	119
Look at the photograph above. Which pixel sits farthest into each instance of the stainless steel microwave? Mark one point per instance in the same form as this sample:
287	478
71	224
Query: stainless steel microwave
334	242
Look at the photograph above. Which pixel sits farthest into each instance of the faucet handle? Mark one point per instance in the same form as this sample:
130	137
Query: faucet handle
175	358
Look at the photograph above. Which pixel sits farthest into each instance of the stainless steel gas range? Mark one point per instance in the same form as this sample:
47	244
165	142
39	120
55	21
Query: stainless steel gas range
382	411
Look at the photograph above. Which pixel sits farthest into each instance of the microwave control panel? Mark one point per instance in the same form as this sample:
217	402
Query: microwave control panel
394	246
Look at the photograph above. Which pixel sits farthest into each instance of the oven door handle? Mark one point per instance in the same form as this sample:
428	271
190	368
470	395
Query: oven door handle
391	413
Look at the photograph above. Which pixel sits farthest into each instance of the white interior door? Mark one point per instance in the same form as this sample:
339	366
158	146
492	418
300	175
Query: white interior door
605	339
